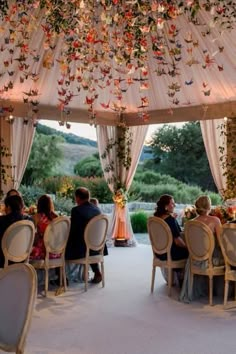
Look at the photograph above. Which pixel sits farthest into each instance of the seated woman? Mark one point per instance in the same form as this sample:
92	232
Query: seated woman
13	212
200	284
12	192
203	208
165	209
45	214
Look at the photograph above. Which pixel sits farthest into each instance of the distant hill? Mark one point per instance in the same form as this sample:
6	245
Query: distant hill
72	154
77	148
69	137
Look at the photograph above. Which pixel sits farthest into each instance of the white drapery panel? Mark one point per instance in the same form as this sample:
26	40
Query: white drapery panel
213	139
106	134
22	140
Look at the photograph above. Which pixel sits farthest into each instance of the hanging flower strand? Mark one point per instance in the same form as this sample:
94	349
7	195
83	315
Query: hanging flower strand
106	46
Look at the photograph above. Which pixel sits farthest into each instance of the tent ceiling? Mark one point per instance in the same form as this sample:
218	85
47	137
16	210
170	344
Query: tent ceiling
190	75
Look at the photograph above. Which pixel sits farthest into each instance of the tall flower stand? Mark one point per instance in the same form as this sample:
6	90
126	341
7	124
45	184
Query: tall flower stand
120	235
120	240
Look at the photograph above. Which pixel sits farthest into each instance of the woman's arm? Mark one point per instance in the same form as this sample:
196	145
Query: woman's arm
175	230
179	242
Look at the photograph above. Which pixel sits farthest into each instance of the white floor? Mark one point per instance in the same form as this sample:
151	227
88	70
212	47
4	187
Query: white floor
124	318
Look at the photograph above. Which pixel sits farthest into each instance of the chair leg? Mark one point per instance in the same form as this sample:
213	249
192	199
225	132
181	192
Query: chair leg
153	278
63	270
103	274
226	292
234	291
169	281
210	290
86	277
46	282
60	276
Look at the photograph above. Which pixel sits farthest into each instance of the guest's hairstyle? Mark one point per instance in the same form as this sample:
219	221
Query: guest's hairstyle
161	205
94	201
45	206
12	192
15	202
203	204
82	193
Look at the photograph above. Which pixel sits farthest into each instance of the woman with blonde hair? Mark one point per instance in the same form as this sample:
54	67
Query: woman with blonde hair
203	208
199	287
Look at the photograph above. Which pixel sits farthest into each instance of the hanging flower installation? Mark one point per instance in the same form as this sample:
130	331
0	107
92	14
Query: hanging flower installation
104	45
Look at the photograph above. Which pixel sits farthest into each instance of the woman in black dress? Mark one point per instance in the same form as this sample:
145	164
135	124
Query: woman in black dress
164	210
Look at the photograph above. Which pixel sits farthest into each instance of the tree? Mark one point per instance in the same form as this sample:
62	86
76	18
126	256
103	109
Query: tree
180	152
45	155
89	167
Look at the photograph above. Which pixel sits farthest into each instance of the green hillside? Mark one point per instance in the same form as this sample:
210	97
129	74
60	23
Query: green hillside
72	154
69	137
76	148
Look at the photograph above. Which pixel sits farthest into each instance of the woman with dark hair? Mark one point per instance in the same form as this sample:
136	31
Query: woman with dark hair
164	210
45	214
12	192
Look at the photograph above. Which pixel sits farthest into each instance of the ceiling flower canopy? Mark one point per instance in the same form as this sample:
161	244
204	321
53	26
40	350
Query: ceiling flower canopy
100	50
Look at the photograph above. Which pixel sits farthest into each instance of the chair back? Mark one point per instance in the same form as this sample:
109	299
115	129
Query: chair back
228	243
160	235
200	240
17	241
95	233
18	287
56	235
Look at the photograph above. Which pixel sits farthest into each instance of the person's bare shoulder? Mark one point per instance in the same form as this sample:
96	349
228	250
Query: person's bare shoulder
216	220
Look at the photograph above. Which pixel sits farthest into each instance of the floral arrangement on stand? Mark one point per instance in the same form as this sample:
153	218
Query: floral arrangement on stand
120	198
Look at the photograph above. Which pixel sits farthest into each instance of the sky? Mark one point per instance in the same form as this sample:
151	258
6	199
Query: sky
87	131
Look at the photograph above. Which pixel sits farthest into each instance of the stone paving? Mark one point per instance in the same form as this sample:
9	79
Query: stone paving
142	239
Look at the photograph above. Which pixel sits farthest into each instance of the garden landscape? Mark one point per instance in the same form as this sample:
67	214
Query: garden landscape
173	161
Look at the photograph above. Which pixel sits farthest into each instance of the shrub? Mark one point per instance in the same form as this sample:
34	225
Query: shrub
139	221
31	194
63	206
215	198
60	185
151	177
89	167
64	187
100	190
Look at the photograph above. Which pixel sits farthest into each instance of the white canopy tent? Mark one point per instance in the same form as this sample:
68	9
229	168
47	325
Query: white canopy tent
113	62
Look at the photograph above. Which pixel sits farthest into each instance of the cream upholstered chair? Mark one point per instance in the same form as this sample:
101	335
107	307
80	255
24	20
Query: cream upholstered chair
55	240
95	237
18	288
201	243
228	247
161	240
17	241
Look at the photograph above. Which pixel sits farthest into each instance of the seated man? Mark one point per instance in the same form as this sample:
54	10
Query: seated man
80	216
14	207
